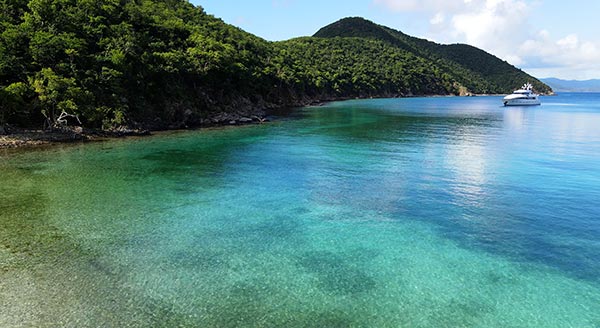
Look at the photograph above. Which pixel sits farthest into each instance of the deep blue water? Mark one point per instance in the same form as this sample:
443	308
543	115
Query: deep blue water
520	182
416	212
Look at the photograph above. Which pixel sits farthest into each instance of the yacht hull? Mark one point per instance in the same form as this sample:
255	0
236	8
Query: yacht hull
522	102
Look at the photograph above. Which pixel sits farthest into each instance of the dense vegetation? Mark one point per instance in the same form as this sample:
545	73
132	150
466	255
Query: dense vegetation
357	67
473	68
166	63
115	62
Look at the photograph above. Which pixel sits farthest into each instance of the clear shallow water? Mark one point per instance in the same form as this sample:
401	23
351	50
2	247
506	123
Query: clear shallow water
422	212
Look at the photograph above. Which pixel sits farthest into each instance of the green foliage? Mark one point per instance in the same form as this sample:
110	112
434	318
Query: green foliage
12	98
468	66
357	67
163	63
54	93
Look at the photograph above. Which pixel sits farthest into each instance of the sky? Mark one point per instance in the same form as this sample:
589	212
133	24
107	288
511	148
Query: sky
545	38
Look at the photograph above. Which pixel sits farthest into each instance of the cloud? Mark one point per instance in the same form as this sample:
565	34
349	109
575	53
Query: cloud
502	28
489	24
569	55
438	19
569	42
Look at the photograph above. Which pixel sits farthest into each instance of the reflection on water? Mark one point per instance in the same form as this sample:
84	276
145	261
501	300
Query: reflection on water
419	212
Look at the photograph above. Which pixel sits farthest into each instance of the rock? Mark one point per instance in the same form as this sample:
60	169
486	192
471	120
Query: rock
232	122
128	131
245	120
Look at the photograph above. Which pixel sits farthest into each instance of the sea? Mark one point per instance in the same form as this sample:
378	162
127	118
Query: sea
408	212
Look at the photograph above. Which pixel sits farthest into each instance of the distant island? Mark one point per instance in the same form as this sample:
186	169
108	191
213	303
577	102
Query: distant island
159	64
560	85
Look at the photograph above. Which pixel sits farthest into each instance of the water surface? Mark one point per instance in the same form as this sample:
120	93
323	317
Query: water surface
420	212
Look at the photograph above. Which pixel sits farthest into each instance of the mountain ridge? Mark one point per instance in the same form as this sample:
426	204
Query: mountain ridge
561	85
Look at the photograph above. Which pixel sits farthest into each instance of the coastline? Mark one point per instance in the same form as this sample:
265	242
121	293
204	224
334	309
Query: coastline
31	138
24	138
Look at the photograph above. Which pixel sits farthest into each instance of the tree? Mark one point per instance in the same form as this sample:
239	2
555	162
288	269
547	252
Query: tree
57	96
12	99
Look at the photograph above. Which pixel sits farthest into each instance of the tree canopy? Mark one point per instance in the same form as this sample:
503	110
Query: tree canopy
163	63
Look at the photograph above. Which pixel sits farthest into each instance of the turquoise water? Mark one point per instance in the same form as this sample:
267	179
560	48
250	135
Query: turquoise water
420	212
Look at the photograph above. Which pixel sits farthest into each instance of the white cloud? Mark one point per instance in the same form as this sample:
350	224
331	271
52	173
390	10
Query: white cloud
567	56
568	42
514	59
502	28
439	18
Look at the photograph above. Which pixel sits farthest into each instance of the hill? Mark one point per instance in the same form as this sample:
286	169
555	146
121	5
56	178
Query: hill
167	64
473	68
573	85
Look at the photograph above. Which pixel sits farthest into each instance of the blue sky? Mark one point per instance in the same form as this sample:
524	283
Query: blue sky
543	37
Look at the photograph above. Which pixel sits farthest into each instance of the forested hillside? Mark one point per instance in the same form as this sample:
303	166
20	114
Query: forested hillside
166	63
357	67
114	62
477	70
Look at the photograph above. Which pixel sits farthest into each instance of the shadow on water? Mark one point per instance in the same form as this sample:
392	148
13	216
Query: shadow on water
562	235
338	274
201	151
200	259
250	304
245	238
279	228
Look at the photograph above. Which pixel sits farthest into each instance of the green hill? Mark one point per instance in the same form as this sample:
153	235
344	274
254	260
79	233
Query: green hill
154	63
166	64
473	68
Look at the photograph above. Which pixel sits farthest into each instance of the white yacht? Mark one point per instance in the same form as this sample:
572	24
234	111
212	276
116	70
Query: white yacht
522	97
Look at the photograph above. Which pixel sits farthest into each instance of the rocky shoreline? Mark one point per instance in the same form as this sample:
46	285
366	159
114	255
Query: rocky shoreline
11	137
18	138
246	112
